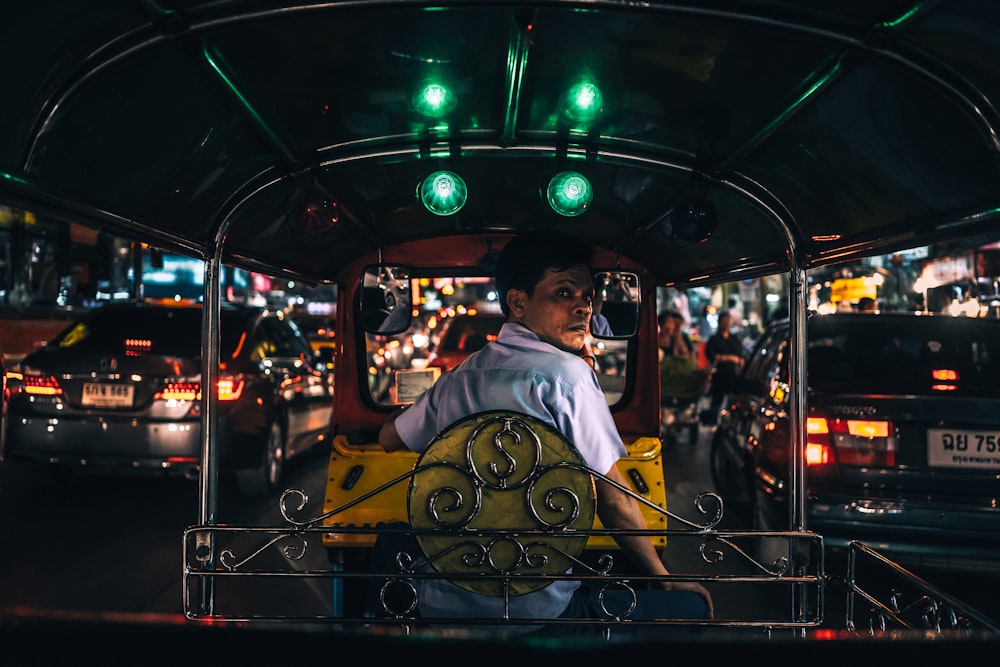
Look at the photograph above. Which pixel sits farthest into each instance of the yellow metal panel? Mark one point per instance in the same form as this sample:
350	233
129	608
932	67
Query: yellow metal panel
372	468
378	467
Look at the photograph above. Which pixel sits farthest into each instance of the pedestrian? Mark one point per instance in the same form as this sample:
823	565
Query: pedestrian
671	339
725	352
534	367
682	380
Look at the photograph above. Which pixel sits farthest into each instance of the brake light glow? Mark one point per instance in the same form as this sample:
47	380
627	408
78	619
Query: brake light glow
816	425
856	442
136	346
179	391
940	375
868	429
42	386
230	389
817	454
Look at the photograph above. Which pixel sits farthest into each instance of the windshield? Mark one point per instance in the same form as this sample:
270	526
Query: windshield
453	317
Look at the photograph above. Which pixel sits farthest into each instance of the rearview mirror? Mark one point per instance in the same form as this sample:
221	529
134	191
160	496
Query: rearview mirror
616	305
385	303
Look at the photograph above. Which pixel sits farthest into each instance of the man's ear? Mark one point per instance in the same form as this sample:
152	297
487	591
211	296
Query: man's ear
515	302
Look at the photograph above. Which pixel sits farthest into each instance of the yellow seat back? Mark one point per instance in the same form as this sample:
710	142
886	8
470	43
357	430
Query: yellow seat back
499	499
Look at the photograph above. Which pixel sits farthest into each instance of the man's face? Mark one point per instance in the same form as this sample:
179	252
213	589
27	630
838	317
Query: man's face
559	310
668	329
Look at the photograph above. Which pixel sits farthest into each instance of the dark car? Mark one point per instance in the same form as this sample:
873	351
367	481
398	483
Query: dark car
120	391
903	435
462	335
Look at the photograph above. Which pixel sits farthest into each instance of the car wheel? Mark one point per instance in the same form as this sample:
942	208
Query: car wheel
263	479
768	515
730	478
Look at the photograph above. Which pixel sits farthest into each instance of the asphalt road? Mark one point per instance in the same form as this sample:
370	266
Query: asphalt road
111	544
114	545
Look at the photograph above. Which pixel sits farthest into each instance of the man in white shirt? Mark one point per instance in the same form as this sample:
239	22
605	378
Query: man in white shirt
534	367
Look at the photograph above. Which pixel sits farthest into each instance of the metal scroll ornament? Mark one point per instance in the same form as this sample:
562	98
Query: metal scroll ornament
502	499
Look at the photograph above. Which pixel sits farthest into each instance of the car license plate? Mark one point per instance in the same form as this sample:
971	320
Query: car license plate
108	395
955	448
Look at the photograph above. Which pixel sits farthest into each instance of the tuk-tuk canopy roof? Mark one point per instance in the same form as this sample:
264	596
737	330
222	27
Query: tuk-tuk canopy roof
721	139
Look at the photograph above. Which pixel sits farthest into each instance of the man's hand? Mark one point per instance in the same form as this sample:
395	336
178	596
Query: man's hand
618	510
692	586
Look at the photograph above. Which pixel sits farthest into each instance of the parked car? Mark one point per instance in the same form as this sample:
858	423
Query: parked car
119	390
462	335
903	435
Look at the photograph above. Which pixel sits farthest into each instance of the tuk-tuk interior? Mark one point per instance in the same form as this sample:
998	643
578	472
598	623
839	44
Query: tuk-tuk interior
374	143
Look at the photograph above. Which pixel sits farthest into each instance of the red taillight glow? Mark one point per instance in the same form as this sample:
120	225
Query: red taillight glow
816	425
857	442
179	391
42	386
868	429
940	375
817	442
230	389
133	346
817	454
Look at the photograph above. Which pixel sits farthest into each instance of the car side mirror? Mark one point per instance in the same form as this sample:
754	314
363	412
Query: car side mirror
385	303
616	305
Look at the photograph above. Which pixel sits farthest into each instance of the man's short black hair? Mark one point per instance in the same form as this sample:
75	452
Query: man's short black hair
526	257
669	313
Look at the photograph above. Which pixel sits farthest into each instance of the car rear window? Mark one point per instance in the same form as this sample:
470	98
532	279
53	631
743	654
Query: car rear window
167	331
471	334
957	356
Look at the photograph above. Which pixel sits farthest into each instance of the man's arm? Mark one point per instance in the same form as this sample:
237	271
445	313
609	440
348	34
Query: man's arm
388	436
618	510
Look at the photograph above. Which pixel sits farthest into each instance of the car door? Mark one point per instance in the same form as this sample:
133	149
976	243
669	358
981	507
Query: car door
754	412
304	390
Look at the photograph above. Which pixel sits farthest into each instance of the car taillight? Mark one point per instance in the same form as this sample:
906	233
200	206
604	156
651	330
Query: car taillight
230	388
179	391
817	442
856	442
41	386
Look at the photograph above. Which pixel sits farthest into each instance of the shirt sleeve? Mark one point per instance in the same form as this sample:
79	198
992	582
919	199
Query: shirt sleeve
599	325
581	413
417	425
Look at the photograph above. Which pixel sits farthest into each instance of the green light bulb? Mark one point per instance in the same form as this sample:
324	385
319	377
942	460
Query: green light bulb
569	193
434	100
443	193
583	102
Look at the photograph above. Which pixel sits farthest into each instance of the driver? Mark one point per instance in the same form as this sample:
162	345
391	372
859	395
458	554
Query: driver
535	367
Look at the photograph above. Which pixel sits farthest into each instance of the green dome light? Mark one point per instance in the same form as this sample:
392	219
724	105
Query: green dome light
583	102
569	193
443	193
434	100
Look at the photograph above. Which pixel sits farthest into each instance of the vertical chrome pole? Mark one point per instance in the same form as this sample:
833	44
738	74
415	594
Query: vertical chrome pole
798	306
209	478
